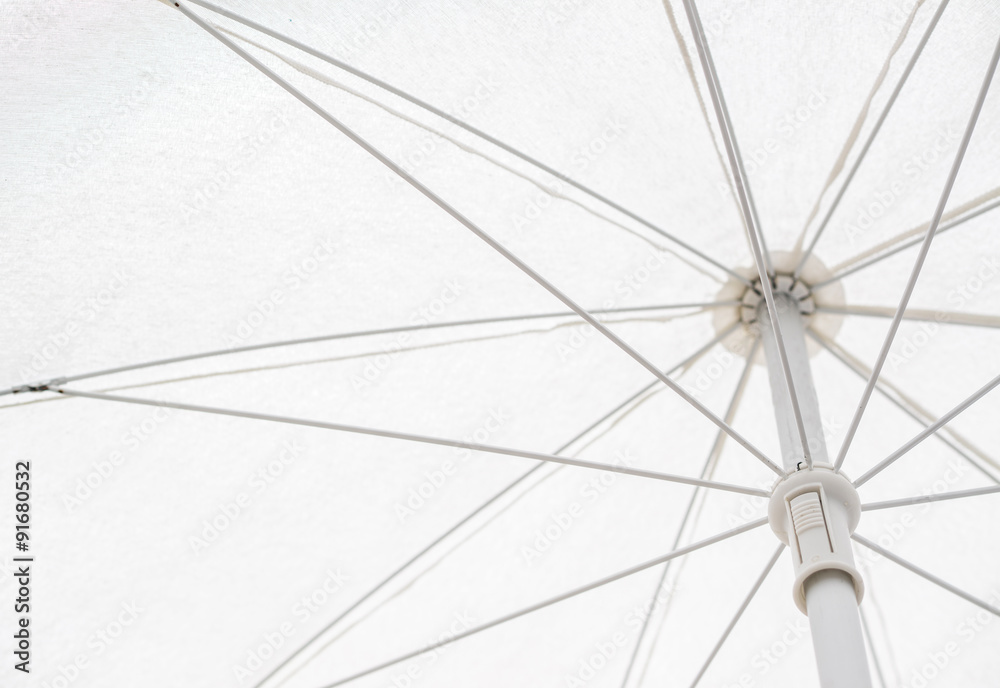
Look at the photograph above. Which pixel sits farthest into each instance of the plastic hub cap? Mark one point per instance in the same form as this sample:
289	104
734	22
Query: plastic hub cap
818	306
797	290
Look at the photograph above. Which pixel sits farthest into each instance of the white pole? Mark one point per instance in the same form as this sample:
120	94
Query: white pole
794	337
831	599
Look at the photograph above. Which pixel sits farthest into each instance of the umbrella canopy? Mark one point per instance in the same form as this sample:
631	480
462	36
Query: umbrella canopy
296	506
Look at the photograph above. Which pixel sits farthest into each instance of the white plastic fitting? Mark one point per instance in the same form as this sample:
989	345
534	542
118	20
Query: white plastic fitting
814	511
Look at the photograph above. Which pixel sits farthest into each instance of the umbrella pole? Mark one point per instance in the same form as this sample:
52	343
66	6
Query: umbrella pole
828	587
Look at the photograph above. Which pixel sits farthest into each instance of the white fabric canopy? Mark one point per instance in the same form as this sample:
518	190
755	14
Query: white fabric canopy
162	198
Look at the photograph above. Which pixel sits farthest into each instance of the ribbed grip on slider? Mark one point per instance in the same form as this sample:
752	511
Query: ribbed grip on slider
807	512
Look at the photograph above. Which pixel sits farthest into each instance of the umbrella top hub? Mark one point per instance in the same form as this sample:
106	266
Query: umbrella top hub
788	292
810	302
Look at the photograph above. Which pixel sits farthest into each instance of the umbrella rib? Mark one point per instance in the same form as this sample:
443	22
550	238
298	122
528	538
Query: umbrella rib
749	210
857	368
553	600
933	497
928	431
685	55
400	348
902	247
871	138
768	264
424	439
906	564
918	265
712	457
475	229
367	333
467	127
917	315
746	204
739	612
408	348
482	507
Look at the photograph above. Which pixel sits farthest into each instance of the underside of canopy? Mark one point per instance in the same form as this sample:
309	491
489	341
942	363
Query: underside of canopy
164	199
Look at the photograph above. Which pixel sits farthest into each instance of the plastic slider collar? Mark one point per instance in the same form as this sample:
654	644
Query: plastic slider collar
814	512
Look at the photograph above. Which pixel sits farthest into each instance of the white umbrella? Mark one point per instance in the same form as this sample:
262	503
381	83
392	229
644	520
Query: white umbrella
279	420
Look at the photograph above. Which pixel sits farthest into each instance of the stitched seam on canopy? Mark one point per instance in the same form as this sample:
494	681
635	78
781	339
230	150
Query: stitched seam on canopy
919	229
686	56
852	138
